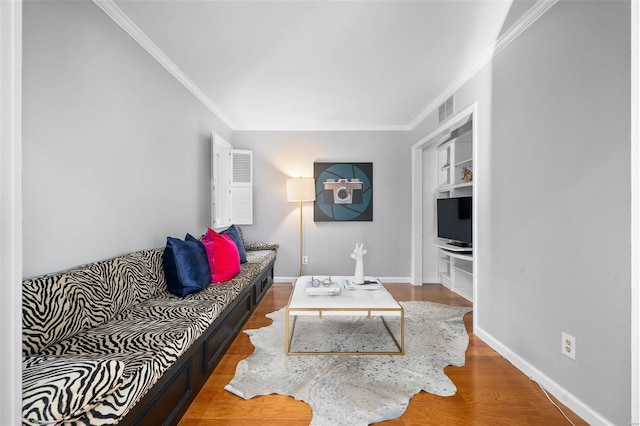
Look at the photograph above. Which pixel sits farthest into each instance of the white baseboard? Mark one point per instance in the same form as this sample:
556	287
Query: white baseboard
399	280
568	399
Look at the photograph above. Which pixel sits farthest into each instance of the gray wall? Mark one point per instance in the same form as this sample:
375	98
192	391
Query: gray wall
553	247
280	155
116	151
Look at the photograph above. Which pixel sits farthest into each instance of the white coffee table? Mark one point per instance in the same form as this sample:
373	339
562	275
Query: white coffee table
370	303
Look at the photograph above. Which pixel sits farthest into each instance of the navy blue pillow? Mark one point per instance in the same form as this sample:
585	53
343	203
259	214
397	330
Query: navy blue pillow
233	233
186	266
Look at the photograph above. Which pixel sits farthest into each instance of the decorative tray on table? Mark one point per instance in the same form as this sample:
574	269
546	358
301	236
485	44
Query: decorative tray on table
369	283
322	287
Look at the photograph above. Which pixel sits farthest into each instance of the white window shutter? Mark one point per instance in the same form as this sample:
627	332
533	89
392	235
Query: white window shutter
241	186
220	179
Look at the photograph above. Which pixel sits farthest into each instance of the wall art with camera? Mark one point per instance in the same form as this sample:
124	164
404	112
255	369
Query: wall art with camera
344	192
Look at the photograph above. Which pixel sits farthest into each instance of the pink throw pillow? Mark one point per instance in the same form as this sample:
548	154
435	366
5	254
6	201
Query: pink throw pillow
225	256
208	246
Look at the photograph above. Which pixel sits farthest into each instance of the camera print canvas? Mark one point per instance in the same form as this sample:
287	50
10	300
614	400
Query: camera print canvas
344	192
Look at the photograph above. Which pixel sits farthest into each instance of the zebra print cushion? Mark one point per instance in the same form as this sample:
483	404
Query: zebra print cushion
62	390
60	305
261	246
255	246
142	333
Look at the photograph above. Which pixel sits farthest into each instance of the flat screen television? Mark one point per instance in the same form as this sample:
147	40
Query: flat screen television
454	220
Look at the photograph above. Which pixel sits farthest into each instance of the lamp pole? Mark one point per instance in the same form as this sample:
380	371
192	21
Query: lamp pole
300	190
301	242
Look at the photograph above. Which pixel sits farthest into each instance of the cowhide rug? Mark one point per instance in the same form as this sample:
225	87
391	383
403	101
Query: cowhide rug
355	390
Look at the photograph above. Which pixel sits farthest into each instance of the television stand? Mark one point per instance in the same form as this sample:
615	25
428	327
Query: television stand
459	244
455	268
454	246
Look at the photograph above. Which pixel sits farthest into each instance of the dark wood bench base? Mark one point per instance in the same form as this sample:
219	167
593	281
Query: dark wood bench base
168	400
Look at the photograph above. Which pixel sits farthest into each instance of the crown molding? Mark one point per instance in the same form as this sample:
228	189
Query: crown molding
115	13
532	15
320	128
516	29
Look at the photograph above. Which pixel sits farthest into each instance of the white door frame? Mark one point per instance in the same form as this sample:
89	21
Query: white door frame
11	208
635	213
417	240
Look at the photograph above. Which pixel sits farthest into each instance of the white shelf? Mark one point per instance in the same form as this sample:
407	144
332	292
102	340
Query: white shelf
462	185
449	187
461	252
456	273
462	256
455	264
470	273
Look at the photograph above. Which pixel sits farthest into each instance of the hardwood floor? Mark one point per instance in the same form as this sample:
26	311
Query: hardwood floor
490	390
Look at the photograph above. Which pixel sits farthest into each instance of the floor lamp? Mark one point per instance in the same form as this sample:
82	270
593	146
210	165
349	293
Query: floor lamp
300	190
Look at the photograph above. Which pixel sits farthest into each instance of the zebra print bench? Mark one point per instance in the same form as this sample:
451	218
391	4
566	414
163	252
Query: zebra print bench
107	343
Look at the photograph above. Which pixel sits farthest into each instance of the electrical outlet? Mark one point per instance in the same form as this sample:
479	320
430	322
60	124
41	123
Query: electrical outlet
305	260
569	346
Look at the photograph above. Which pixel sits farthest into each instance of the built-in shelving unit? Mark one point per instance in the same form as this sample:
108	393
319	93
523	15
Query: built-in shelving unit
455	269
455	264
453	156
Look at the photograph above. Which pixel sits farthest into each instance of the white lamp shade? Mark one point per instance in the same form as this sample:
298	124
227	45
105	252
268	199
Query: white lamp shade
301	189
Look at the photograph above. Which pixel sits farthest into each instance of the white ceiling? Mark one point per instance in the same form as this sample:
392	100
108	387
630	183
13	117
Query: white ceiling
324	64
